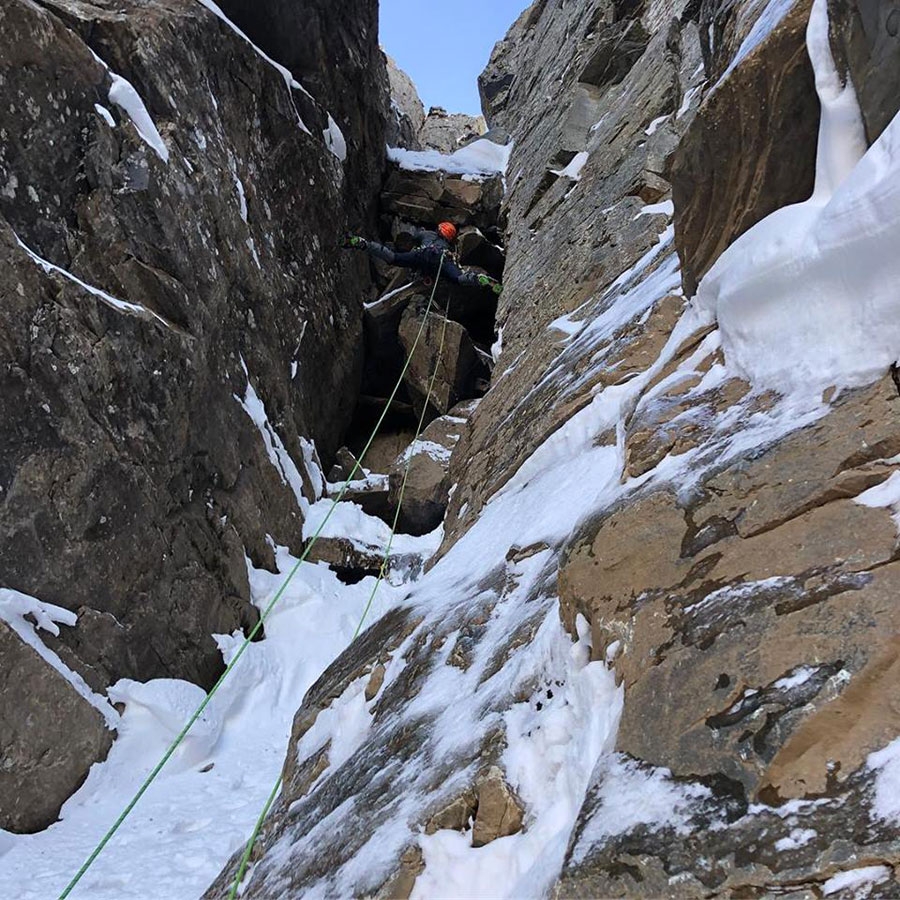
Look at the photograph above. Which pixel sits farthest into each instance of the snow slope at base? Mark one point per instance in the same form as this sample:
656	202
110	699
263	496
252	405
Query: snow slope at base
808	297
205	802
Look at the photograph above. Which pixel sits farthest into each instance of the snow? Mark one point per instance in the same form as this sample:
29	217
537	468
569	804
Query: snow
573	169
108	299
801	675
14	606
651	128
275	449
289	80
629	795
481	157
387	296
664	207
550	754
687	100
858	880
106	115
768	21
438	452
203	805
806	298
334	140
123	95
348	520
886	763
797	838
886	494
497	346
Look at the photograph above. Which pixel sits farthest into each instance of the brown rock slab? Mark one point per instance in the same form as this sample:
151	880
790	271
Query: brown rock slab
729	171
500	812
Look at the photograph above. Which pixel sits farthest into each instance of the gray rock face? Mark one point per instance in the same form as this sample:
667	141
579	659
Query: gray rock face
408	111
866	42
49	737
132	478
447	132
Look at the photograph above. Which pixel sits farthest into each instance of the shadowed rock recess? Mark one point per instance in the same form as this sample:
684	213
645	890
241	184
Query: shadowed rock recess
656	652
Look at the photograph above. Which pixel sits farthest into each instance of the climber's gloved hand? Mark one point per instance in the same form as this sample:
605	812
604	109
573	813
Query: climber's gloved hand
492	283
353	241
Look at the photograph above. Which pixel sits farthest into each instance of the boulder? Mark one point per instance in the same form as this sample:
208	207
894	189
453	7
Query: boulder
431	197
408	110
446	132
50	736
422	472
443	354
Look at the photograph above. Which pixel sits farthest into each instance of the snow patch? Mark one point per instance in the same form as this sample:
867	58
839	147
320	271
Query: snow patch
277	452
334	140
15	606
573	169
114	302
481	157
807	297
886	762
856	880
105	114
798	837
628	795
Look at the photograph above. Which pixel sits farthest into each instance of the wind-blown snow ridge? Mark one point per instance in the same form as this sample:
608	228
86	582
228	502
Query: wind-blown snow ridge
123	95
114	302
277	452
807	297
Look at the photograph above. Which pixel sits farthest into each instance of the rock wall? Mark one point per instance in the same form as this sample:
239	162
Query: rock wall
174	316
726	571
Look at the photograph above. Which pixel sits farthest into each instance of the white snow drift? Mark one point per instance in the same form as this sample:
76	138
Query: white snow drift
808	297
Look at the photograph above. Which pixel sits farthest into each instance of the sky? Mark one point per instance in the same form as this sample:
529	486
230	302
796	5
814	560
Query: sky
444	45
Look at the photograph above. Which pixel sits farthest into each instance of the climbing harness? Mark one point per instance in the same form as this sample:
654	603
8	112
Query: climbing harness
382	571
253	632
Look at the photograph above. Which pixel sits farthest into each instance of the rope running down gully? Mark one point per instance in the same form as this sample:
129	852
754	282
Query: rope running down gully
151	777
245	858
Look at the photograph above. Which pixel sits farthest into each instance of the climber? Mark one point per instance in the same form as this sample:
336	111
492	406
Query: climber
426	256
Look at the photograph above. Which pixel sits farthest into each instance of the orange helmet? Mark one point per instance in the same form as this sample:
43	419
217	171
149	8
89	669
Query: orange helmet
448	231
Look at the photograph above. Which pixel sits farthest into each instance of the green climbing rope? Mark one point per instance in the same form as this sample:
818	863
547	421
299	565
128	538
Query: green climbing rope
255	630
251	843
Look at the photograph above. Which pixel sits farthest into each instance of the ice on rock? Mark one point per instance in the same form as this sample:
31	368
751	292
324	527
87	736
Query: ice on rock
807	298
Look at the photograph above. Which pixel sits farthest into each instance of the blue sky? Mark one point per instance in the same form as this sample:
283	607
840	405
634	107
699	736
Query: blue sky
443	45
